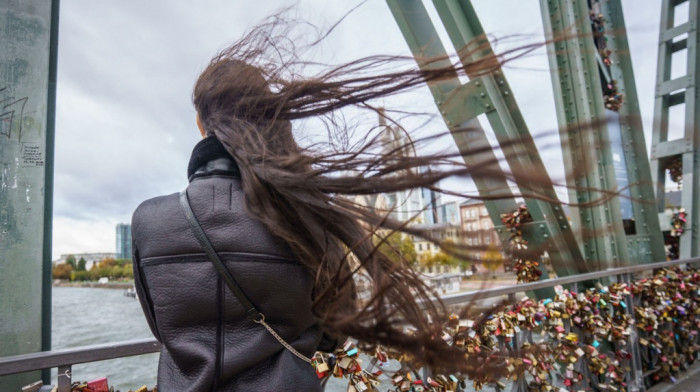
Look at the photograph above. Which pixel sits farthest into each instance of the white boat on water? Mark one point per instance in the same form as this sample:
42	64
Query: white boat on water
130	292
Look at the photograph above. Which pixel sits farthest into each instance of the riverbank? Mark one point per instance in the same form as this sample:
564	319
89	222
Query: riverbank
123	285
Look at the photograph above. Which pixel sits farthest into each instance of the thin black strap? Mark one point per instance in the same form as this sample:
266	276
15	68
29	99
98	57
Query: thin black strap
258	317
214	257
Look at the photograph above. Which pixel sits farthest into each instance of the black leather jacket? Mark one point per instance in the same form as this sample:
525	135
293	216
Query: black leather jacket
208	343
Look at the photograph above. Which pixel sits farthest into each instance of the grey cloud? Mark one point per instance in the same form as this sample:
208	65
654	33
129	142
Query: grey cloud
125	124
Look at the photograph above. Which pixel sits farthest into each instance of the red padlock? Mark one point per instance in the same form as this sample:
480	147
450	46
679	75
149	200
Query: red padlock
99	385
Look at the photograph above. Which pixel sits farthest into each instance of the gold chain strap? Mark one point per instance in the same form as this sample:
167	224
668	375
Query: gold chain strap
286	345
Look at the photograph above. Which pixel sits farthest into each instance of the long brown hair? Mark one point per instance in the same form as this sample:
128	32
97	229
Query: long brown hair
247	97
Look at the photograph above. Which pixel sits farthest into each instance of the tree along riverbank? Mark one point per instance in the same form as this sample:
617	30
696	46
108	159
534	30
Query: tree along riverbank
122	284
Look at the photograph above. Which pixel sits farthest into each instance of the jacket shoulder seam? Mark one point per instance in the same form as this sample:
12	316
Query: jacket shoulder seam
228	256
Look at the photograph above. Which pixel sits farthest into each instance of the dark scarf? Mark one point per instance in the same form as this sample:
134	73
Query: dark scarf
209	157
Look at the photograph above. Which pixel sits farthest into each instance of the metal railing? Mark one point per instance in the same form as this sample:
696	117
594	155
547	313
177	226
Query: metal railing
620	273
64	359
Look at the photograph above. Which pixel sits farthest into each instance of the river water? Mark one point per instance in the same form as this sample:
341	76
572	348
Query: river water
89	316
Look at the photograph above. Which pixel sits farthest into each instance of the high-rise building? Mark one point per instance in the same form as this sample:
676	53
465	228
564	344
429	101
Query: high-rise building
420	206
448	213
124	241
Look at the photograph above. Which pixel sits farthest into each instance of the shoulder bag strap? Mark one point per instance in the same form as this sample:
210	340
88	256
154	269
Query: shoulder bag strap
199	234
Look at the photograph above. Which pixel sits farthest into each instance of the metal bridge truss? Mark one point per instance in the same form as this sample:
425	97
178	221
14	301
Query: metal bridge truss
591	73
596	102
490	94
674	39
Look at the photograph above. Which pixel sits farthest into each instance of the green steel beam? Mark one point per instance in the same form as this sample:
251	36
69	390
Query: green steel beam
421	37
584	132
647	244
28	50
489	95
678	91
661	148
465	32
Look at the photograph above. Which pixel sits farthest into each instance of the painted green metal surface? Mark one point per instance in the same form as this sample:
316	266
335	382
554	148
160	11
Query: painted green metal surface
550	229
588	158
429	53
27	97
671	92
646	245
490	95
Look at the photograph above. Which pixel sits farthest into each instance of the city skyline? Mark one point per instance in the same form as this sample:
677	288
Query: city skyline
122	247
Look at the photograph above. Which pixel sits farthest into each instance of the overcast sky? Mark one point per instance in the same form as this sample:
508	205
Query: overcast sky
125	123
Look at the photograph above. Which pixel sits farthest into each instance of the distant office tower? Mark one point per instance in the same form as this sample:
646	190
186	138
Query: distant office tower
448	213
124	241
417	205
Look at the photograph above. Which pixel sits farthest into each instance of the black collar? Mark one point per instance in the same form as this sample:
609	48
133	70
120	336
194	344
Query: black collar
209	157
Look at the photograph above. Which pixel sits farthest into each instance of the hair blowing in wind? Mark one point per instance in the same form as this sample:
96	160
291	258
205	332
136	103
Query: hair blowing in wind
248	96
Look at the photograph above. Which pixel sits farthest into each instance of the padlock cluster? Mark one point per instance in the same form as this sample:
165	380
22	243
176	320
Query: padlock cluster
345	362
675	169
668	320
572	342
580	325
526	270
598	28
405	383
678	220
101	385
672	239
612	98
671	244
597	23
